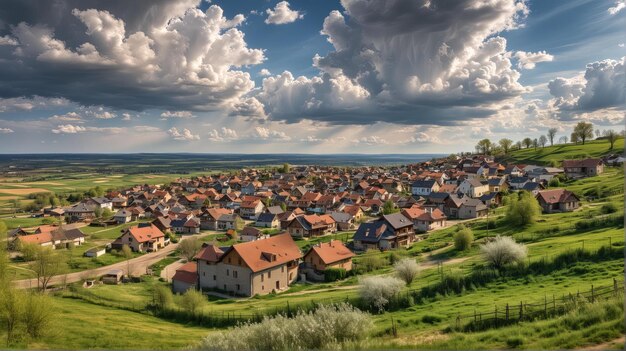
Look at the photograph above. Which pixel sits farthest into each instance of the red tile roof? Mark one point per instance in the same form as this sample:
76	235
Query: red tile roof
271	252
187	273
331	251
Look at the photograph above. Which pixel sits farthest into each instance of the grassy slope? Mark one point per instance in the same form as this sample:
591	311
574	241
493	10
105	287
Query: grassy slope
560	152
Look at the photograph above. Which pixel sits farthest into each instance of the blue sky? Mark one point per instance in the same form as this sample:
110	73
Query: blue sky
400	76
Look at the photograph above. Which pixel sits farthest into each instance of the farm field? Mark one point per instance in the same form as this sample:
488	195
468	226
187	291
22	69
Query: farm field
559	152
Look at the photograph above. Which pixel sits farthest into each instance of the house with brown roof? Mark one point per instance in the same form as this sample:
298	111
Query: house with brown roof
251	268
425	218
322	256
558	200
145	237
251	209
388	232
185	278
588	167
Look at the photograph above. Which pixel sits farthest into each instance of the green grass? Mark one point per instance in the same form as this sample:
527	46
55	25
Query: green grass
81	325
560	152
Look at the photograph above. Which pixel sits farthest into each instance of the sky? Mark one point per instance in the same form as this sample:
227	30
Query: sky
326	76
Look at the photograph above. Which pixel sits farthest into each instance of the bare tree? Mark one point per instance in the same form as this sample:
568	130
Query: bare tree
563	139
551	135
46	265
543	141
598	133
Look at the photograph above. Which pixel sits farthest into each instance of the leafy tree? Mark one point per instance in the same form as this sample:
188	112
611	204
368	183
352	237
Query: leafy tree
503	250
554	182
584	131
527	142
543	141
239	223
162	297
523	209
189	248
389	207
4	259
107	213
574	138
505	144
611	136
563	139
484	146
406	269
551	135
11	310
535	143
518	145
463	239
286	168
37	315
283	206
192	300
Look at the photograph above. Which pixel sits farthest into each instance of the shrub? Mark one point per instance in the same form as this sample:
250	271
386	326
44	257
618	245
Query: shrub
503	250
192	300
162	297
431	319
325	328
371	262
554	182
334	274
376	291
463	239
523	209
406	269
608	207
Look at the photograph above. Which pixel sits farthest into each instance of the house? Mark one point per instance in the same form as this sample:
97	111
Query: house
79	212
99	202
473	187
307	226
52	236
251	209
252	268
145	237
275	210
424	187
191	226
229	221
588	167
545	174
388	232
268	220
252	234
558	200
472	208
518	183
185	278
209	218
123	216
344	221
497	185
163	223
533	187
322	256
425	218
491	199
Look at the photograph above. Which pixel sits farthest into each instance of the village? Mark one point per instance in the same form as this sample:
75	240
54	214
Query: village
263	213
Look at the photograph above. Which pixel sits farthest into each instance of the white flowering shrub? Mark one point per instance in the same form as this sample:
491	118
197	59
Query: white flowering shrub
377	290
502	251
406	269
328	327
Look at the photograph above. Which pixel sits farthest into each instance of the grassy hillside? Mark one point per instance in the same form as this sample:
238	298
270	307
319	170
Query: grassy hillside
557	153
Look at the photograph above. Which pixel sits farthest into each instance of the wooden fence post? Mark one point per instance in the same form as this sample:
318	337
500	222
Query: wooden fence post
521	310
507	312
545	306
593	297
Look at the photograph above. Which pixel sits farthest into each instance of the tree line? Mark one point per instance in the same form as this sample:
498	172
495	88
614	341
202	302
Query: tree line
583	131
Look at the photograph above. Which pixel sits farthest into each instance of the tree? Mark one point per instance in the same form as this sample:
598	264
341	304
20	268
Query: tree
389	207
189	247
551	135
463	239
286	168
598	133
46	265
239	223
611	136
192	300
563	139
128	254
406	269
107	213
283	206
97	212
484	146
207	202
574	138
535	143
11	310
543	141
518	145
4	258
584	131
37	315
527	142
523	209
505	144
376	291
503	250
162	297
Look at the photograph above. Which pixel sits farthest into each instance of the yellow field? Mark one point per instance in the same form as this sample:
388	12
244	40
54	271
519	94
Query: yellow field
23	191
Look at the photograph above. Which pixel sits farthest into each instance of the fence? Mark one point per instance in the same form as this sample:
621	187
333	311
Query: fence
524	311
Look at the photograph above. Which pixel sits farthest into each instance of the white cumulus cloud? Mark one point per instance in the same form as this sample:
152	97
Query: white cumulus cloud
282	14
183	135
528	60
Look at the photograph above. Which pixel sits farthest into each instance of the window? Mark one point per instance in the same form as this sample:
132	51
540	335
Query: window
234	274
282	269
227	272
204	274
269	274
214	277
224	286
238	287
262	277
240	261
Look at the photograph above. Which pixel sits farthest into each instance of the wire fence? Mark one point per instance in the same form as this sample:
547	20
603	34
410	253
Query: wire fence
503	315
